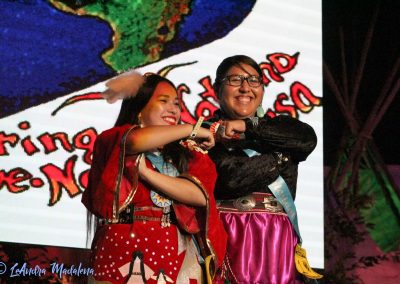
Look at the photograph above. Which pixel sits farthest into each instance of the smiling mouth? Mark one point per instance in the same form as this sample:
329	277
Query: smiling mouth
244	99
169	120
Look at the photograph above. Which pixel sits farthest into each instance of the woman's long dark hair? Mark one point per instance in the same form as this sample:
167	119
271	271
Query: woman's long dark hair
129	114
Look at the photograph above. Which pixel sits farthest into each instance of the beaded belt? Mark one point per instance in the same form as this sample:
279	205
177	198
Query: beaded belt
256	201
127	216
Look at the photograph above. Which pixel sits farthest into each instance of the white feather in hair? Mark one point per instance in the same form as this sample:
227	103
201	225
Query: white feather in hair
124	85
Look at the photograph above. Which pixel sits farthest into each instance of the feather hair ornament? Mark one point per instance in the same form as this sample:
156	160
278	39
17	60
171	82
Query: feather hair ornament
125	85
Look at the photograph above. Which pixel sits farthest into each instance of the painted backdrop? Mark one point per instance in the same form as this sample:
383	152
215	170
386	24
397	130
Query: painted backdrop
57	56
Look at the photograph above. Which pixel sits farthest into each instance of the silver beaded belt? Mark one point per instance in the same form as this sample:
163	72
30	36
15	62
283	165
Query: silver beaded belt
256	201
127	216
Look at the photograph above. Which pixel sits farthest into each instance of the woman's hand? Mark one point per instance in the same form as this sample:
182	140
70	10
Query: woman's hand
204	138
144	171
231	129
176	188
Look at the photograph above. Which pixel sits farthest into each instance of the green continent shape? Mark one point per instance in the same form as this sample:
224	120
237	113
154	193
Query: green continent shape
141	28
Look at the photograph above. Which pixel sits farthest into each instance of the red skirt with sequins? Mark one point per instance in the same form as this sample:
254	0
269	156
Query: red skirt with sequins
144	250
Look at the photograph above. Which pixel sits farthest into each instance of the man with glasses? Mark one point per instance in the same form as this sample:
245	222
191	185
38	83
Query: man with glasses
252	154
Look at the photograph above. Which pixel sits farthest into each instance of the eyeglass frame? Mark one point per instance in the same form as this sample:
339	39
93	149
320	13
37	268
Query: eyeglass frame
242	79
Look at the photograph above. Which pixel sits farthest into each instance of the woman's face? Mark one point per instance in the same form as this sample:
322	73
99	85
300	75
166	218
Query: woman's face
163	107
239	102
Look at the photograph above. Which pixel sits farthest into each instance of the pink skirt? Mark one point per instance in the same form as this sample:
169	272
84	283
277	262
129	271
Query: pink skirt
261	247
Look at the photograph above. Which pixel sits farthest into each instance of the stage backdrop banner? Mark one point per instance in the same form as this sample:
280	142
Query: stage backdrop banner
58	55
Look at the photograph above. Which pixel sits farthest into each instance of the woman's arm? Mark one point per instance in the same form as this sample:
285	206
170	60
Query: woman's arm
282	133
178	189
148	138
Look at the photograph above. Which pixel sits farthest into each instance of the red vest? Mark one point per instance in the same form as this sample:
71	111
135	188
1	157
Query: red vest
112	180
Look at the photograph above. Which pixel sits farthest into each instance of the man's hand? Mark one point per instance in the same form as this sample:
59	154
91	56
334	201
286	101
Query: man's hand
231	129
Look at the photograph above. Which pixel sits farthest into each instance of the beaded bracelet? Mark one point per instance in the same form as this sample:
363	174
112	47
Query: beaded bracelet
196	128
214	128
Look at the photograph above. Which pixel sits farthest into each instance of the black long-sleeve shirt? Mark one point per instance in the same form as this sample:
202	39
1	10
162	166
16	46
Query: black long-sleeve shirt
239	174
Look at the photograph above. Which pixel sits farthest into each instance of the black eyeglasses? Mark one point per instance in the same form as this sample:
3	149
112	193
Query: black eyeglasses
237	80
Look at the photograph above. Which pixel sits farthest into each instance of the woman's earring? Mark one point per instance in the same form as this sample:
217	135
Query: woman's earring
140	119
260	111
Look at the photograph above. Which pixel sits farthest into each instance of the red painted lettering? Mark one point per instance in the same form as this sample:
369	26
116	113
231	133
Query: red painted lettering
282	62
297	89
270	113
59	178
28	146
282	108
24	125
186	116
279	63
10	139
85	140
205	107
49	141
271	72
12	179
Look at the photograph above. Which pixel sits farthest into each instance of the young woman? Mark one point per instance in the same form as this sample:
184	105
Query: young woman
152	191
256	157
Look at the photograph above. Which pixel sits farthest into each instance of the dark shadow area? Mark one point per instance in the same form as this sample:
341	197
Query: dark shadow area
353	19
